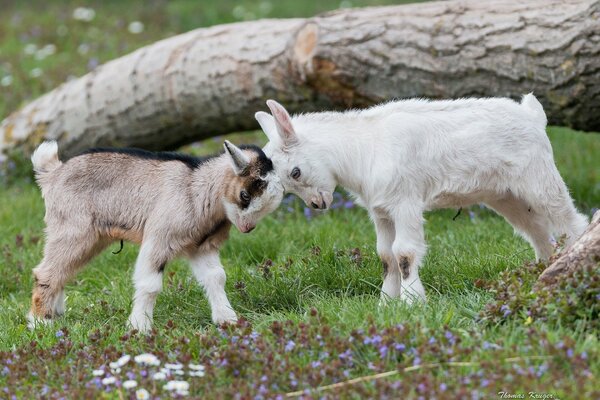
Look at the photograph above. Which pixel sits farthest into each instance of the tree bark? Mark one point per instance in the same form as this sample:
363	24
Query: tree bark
584	253
211	81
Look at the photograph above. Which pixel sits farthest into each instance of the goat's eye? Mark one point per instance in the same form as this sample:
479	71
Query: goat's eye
244	196
295	173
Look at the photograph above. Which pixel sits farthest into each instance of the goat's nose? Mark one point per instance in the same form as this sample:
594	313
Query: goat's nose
314	205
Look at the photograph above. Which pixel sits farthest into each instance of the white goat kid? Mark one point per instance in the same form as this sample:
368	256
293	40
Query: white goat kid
171	204
405	157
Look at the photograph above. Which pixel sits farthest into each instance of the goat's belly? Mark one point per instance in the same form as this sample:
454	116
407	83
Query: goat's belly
457	200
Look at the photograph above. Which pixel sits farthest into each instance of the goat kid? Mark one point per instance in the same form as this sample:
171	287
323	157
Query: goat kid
171	204
402	158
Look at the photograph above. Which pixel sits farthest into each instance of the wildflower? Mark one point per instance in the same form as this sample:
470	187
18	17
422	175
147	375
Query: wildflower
443	387
528	321
142	394
6	80
147	359
400	347
130	384
196	373
506	310
290	346
30	49
349	204
136	27
121	361
173	366
84	14
159	376
83	49
109	380
98	372
177	386
36	73
59	334
196	367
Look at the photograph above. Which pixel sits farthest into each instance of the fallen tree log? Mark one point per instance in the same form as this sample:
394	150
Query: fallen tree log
211	81
584	253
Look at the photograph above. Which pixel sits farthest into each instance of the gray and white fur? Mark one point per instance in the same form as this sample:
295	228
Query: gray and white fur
171	204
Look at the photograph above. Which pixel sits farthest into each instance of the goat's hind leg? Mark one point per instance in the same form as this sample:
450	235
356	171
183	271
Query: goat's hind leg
528	221
64	255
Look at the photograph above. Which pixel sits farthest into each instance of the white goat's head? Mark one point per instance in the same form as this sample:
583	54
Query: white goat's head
300	168
255	189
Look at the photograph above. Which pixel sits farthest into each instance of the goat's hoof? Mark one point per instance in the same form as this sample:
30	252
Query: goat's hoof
34	321
142	326
226	316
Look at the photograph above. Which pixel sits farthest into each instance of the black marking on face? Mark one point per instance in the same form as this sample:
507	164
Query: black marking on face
404	263
191	161
264	163
161	268
254	188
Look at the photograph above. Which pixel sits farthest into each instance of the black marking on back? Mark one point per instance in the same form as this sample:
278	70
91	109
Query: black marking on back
191	161
265	164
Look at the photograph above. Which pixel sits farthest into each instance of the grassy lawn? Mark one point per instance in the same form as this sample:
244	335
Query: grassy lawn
307	285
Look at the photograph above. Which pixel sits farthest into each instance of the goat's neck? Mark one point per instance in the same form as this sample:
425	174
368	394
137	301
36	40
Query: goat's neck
209	183
346	151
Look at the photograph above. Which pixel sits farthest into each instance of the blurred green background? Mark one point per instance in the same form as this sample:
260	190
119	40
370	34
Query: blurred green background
44	43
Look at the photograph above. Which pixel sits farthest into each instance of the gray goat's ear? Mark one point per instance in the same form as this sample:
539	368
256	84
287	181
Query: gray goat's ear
283	123
239	160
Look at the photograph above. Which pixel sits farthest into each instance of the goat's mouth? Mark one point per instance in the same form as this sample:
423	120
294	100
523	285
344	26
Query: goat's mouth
322	201
245	227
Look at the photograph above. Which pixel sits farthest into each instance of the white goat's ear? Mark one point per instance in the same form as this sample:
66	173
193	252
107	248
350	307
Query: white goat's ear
239	160
267	123
283	123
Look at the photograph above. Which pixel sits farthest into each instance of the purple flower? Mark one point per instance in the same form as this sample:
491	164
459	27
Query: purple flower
443	387
421	388
349	204
432	340
315	364
307	213
485	383
290	346
506	310
5	370
400	347
383	350
59	334
570	353
417	361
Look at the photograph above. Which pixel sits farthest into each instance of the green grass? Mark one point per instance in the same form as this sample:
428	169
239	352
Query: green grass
305	271
311	267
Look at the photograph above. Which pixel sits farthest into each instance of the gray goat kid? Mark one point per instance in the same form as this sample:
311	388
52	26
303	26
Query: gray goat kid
171	204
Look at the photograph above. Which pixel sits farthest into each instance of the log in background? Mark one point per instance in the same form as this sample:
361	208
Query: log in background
210	81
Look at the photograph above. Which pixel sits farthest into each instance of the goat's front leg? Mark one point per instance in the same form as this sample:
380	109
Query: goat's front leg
409	248
209	272
147	280
391	275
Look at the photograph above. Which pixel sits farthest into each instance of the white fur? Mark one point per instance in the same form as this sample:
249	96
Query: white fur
45	157
405	157
209	273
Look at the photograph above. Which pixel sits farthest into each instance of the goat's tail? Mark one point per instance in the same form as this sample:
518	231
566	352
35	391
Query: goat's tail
45	158
535	109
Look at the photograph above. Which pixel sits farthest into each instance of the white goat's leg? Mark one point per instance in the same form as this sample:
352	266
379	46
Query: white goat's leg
409	248
209	272
391	274
147	280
